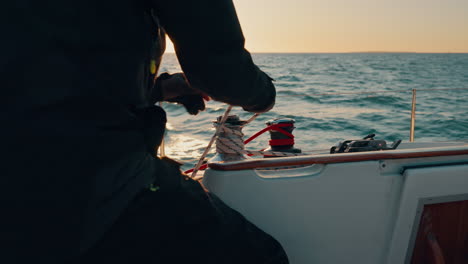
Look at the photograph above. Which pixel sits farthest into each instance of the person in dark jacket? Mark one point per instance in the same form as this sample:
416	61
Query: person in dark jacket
80	128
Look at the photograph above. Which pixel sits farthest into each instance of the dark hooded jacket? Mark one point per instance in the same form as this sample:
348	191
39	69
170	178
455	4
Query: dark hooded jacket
78	121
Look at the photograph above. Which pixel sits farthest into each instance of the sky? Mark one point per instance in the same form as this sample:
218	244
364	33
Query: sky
354	25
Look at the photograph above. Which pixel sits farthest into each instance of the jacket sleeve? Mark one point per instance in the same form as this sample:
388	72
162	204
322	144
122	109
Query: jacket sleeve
209	44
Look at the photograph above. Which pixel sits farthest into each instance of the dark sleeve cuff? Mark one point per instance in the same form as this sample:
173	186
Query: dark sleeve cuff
265	101
157	93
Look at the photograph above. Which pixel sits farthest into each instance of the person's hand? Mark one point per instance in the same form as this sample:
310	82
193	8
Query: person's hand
176	89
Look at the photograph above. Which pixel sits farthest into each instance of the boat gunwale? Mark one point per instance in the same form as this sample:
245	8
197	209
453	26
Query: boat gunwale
340	158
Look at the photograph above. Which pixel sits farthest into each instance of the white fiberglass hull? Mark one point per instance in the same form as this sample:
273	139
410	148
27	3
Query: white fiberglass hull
363	211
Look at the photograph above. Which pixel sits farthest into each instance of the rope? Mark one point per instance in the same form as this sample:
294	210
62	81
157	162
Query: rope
251	119
281	142
204	166
276	127
207	149
230	141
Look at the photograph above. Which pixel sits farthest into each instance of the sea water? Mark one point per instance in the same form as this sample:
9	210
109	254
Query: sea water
333	97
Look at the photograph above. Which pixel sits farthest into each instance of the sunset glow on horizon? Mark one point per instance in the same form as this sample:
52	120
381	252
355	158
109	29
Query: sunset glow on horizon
354	26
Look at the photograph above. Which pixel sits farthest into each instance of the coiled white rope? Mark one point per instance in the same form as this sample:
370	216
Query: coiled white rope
207	149
230	140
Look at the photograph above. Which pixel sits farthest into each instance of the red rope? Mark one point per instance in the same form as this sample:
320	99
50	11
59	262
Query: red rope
202	167
282	142
276	127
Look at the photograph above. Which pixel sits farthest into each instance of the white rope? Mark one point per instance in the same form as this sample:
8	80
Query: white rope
251	119
207	149
229	140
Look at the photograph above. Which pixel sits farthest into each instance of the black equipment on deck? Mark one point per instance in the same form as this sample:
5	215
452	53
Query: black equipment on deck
368	143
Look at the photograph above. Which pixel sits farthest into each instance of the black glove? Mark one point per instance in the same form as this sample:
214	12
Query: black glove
175	88
193	103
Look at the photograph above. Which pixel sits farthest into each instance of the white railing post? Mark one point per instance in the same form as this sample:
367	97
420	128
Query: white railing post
413	116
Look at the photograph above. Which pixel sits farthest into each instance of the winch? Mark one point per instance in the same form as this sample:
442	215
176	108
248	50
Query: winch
281	137
230	140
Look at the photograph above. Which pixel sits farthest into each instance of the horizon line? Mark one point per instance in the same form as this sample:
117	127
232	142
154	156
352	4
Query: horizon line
350	52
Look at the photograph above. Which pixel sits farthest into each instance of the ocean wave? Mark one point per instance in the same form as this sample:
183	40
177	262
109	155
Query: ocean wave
288	78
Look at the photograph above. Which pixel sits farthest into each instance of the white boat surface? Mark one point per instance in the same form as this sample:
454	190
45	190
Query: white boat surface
391	206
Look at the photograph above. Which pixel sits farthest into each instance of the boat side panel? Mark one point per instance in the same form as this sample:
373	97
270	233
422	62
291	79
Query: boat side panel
338	215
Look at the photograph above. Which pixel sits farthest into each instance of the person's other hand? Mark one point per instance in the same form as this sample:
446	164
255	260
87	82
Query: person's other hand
176	89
